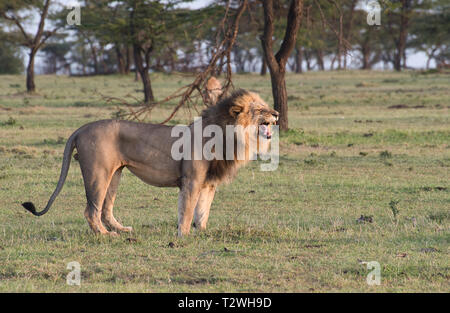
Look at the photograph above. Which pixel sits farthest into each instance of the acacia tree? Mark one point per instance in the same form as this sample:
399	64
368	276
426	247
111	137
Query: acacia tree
400	40
367	40
55	56
9	10
431	33
277	62
148	23
400	15
104	25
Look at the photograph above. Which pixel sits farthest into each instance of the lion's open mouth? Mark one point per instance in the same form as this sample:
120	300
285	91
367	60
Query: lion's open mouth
264	130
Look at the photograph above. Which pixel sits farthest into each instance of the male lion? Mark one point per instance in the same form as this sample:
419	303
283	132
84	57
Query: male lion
105	147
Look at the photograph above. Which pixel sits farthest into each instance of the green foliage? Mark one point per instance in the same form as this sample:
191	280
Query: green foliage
10	60
431	32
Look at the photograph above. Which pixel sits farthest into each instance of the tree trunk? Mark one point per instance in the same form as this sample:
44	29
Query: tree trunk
298	60
332	63
400	55
365	51
320	63
397	61
279	93
31	87
120	60
143	73
148	92
404	58
172	57
428	62
430	56
94	58
128	60
277	63
308	60
158	67
34	43
263	67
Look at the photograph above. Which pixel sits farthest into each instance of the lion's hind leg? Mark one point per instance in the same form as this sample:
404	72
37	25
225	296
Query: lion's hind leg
107	210
96	182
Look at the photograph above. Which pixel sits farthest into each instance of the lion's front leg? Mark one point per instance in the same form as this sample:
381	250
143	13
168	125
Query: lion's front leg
205	199
187	199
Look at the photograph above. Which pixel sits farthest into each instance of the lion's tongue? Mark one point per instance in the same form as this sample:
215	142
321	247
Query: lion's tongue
265	130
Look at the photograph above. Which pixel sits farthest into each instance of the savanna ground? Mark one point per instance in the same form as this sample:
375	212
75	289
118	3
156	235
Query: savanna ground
348	156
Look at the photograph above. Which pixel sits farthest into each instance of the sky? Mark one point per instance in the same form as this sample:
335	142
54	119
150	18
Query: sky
414	60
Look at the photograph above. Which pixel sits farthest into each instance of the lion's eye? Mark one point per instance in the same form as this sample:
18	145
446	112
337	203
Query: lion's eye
265	123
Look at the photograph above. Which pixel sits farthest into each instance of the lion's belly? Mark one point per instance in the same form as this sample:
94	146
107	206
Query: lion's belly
146	152
155	176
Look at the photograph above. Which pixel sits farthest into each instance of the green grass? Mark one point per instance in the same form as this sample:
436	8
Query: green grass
293	230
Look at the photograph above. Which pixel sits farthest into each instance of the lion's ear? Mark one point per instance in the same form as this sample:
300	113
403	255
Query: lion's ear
235	110
213	90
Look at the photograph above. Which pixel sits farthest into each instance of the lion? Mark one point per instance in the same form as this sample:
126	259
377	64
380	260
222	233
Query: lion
106	147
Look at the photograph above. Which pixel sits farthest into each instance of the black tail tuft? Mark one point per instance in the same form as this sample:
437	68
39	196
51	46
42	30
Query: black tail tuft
30	207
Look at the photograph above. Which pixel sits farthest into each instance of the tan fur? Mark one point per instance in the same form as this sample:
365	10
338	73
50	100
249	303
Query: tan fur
213	90
104	148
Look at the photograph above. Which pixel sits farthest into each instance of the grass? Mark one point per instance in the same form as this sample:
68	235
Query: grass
357	182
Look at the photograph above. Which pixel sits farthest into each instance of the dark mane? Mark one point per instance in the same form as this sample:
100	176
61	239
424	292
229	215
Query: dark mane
219	114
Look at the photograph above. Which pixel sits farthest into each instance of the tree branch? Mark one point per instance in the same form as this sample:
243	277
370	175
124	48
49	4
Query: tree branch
222	50
290	36
47	36
40	30
22	30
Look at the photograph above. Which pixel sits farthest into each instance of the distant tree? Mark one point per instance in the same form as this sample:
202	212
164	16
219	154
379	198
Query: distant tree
314	39
91	34
10	60
248	42
431	33
12	11
106	24
146	25
55	56
398	16
277	62
367	40
80	56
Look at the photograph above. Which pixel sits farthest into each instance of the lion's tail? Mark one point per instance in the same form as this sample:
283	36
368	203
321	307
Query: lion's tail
70	146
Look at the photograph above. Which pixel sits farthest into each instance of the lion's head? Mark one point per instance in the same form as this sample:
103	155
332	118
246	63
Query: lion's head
244	110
